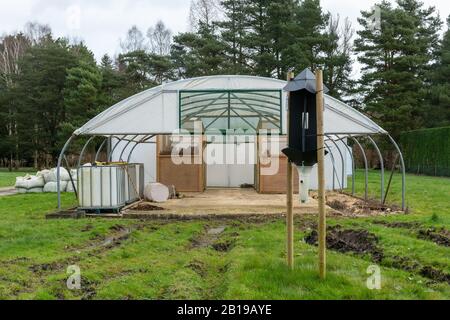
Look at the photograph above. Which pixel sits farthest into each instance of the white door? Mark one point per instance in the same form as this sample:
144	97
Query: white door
230	165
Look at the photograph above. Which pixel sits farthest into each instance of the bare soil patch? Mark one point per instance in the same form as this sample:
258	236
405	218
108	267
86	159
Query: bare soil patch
426	271
207	237
400	225
146	206
223	245
363	242
198	267
351	206
349	240
214	237
438	236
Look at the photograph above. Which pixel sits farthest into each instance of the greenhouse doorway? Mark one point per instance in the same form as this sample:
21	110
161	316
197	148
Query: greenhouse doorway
230	165
231	121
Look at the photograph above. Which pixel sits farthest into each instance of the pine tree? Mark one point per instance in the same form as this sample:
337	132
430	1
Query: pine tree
396	62
234	30
199	54
40	96
136	68
113	83
308	36
280	16
81	89
258	40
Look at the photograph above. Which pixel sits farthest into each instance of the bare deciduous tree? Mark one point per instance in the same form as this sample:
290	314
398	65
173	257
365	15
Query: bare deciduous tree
338	53
12	48
37	32
203	12
160	39
134	41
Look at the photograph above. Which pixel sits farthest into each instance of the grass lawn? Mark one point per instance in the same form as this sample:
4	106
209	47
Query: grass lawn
8	179
132	259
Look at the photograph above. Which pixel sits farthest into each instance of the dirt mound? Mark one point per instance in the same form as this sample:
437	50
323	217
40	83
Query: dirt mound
349	205
349	240
146	206
435	274
440	237
223	245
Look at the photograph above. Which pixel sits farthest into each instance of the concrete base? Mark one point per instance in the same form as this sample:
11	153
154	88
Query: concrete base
227	202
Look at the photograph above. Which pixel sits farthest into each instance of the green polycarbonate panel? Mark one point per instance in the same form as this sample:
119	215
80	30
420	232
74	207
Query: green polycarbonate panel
232	110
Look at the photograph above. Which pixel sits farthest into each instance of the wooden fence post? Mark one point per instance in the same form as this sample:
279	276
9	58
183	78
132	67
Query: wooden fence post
289	201
321	175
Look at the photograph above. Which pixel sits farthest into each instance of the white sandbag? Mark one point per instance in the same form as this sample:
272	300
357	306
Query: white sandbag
35	190
70	188
52	187
21	182
51	175
156	192
30	182
21	190
42	173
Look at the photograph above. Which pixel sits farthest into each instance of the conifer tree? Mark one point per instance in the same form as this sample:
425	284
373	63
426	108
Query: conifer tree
396	58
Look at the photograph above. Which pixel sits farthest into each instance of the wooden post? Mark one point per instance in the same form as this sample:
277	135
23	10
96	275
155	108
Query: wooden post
289	202
321	175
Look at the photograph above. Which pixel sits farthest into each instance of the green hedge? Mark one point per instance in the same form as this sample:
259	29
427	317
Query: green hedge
427	151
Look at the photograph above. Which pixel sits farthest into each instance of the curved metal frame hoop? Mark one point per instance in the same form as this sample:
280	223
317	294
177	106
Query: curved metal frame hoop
366	196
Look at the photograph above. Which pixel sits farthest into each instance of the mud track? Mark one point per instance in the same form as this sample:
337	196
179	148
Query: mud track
440	236
118	235
362	242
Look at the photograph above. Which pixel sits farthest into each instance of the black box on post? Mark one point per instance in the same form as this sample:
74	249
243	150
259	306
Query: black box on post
302	149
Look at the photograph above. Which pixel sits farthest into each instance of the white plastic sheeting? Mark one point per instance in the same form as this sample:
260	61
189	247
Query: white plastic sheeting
156	111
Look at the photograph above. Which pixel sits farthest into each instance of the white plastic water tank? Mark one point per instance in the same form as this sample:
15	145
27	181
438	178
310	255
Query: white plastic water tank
134	182
101	187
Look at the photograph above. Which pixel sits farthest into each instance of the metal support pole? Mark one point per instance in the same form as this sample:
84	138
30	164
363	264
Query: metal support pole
132	150
100	149
366	197
58	170
402	162
114	148
136	144
71	178
333	162
126	146
381	165
343	163
390	178
353	164
80	158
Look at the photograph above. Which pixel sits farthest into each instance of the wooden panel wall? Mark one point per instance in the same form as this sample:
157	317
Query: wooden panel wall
276	184
185	177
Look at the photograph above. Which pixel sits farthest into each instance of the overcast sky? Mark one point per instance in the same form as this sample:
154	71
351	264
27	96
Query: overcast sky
102	22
